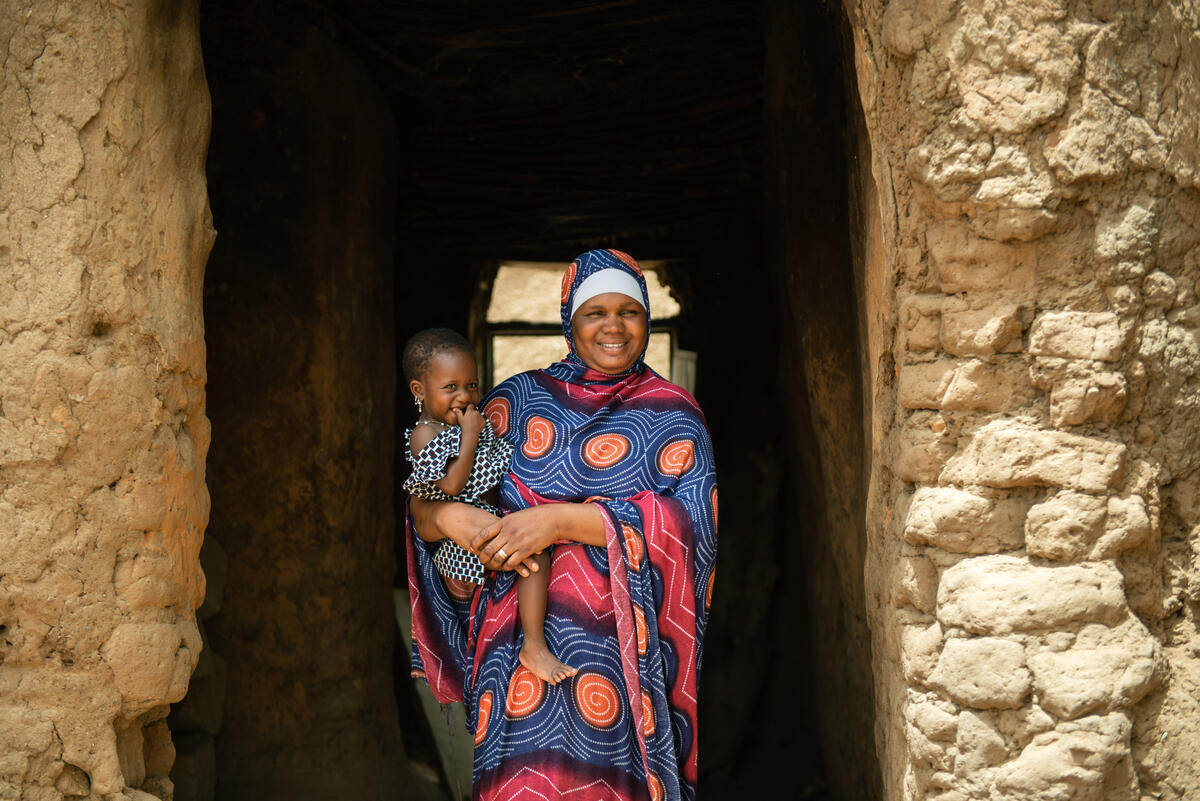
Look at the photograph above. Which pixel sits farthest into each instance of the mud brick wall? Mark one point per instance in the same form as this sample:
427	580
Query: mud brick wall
104	230
1030	289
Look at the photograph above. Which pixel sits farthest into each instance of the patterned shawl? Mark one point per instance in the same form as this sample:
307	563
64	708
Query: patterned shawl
630	616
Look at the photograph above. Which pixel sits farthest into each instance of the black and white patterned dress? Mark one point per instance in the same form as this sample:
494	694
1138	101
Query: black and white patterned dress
492	457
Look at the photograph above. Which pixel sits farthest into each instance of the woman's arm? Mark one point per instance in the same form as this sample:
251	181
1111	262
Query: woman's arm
531	531
441	520
460	522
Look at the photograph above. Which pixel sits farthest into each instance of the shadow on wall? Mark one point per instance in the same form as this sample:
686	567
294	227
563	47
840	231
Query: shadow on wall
298	307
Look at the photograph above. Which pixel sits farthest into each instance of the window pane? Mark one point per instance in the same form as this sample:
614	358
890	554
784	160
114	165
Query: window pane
529	292
516	353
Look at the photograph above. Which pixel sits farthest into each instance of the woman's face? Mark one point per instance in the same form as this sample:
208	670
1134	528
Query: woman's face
610	332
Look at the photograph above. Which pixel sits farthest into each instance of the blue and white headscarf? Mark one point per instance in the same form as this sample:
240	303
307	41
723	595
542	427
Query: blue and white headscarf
594	273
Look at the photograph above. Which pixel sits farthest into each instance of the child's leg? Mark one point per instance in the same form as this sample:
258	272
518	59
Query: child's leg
532	591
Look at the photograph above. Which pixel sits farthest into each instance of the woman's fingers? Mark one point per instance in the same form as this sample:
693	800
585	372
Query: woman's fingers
512	542
496	557
523	563
489	544
484	536
504	552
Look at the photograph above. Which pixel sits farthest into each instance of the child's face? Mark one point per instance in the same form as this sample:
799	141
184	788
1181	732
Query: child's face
451	382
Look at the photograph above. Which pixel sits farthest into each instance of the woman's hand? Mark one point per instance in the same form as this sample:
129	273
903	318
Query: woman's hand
511	542
460	522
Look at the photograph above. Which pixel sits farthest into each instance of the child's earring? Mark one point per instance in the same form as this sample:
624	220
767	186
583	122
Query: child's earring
417	401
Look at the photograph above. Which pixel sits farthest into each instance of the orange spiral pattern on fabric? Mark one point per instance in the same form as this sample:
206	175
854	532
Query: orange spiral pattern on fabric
525	693
676	457
594	498
597	700
496	413
656	787
459	590
485	712
643	633
712	577
647	714
605	450
627	259
539	436
568	279
714	506
633	546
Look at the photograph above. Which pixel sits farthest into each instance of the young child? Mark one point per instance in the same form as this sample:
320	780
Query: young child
456	456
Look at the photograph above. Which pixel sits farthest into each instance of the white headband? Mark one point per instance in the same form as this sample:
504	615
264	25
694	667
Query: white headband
608	280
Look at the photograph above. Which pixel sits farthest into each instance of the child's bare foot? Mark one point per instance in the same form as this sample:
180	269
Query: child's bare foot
545	665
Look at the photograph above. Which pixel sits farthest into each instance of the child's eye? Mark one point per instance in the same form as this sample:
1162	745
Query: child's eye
473	385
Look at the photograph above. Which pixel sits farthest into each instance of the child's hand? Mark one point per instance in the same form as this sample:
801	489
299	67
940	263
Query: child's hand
470	419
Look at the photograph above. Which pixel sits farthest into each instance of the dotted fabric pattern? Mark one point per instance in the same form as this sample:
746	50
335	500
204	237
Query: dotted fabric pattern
492	457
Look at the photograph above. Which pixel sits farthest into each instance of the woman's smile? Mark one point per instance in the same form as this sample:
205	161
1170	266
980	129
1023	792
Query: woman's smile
610	332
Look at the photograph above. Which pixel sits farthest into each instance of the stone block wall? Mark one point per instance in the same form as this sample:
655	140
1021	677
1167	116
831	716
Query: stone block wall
1030	288
104	231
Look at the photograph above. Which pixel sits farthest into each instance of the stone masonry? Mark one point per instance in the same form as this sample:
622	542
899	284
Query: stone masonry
104	230
1032	316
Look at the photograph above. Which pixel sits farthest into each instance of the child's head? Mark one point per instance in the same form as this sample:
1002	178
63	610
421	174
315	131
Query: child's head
440	368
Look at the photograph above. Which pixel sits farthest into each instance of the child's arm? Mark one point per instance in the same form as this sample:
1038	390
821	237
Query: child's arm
458	469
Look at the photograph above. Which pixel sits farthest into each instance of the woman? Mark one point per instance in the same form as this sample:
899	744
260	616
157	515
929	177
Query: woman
613	470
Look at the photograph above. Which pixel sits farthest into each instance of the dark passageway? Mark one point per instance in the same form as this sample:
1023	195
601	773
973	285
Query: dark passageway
368	159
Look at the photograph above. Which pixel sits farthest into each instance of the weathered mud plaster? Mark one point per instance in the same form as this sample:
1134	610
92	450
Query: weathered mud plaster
1031	320
104	231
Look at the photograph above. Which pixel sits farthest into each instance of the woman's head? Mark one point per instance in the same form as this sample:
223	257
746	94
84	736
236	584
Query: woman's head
440	368
606	311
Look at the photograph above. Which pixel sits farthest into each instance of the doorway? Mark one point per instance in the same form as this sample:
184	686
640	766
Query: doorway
366	158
